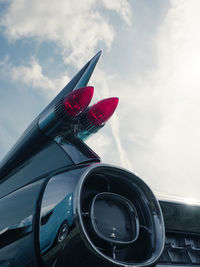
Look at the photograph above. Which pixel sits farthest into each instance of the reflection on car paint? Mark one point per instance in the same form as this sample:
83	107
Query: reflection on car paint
53	219
14	232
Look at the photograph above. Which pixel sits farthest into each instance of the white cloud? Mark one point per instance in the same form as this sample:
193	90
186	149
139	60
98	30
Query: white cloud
120	6
32	76
76	26
123	156
101	142
177	146
170	129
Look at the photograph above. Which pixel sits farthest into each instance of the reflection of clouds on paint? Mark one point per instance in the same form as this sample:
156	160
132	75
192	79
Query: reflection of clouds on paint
46	209
26	221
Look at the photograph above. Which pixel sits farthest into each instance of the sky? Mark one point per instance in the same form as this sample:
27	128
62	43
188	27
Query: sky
150	60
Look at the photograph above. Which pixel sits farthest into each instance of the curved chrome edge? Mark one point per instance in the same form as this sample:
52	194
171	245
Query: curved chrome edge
178	200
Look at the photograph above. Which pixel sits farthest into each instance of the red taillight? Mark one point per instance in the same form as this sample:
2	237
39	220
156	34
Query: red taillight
102	111
78	100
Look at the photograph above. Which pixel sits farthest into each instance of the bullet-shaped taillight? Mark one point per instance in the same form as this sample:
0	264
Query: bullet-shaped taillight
100	112
96	116
60	119
77	101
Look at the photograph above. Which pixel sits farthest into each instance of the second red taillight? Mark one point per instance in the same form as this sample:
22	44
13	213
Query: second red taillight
100	112
96	116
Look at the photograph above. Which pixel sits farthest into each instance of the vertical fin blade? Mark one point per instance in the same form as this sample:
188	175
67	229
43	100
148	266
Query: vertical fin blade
88	72
80	80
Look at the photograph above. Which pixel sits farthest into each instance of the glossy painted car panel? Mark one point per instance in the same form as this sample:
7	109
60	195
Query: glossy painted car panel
56	208
49	158
17	217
